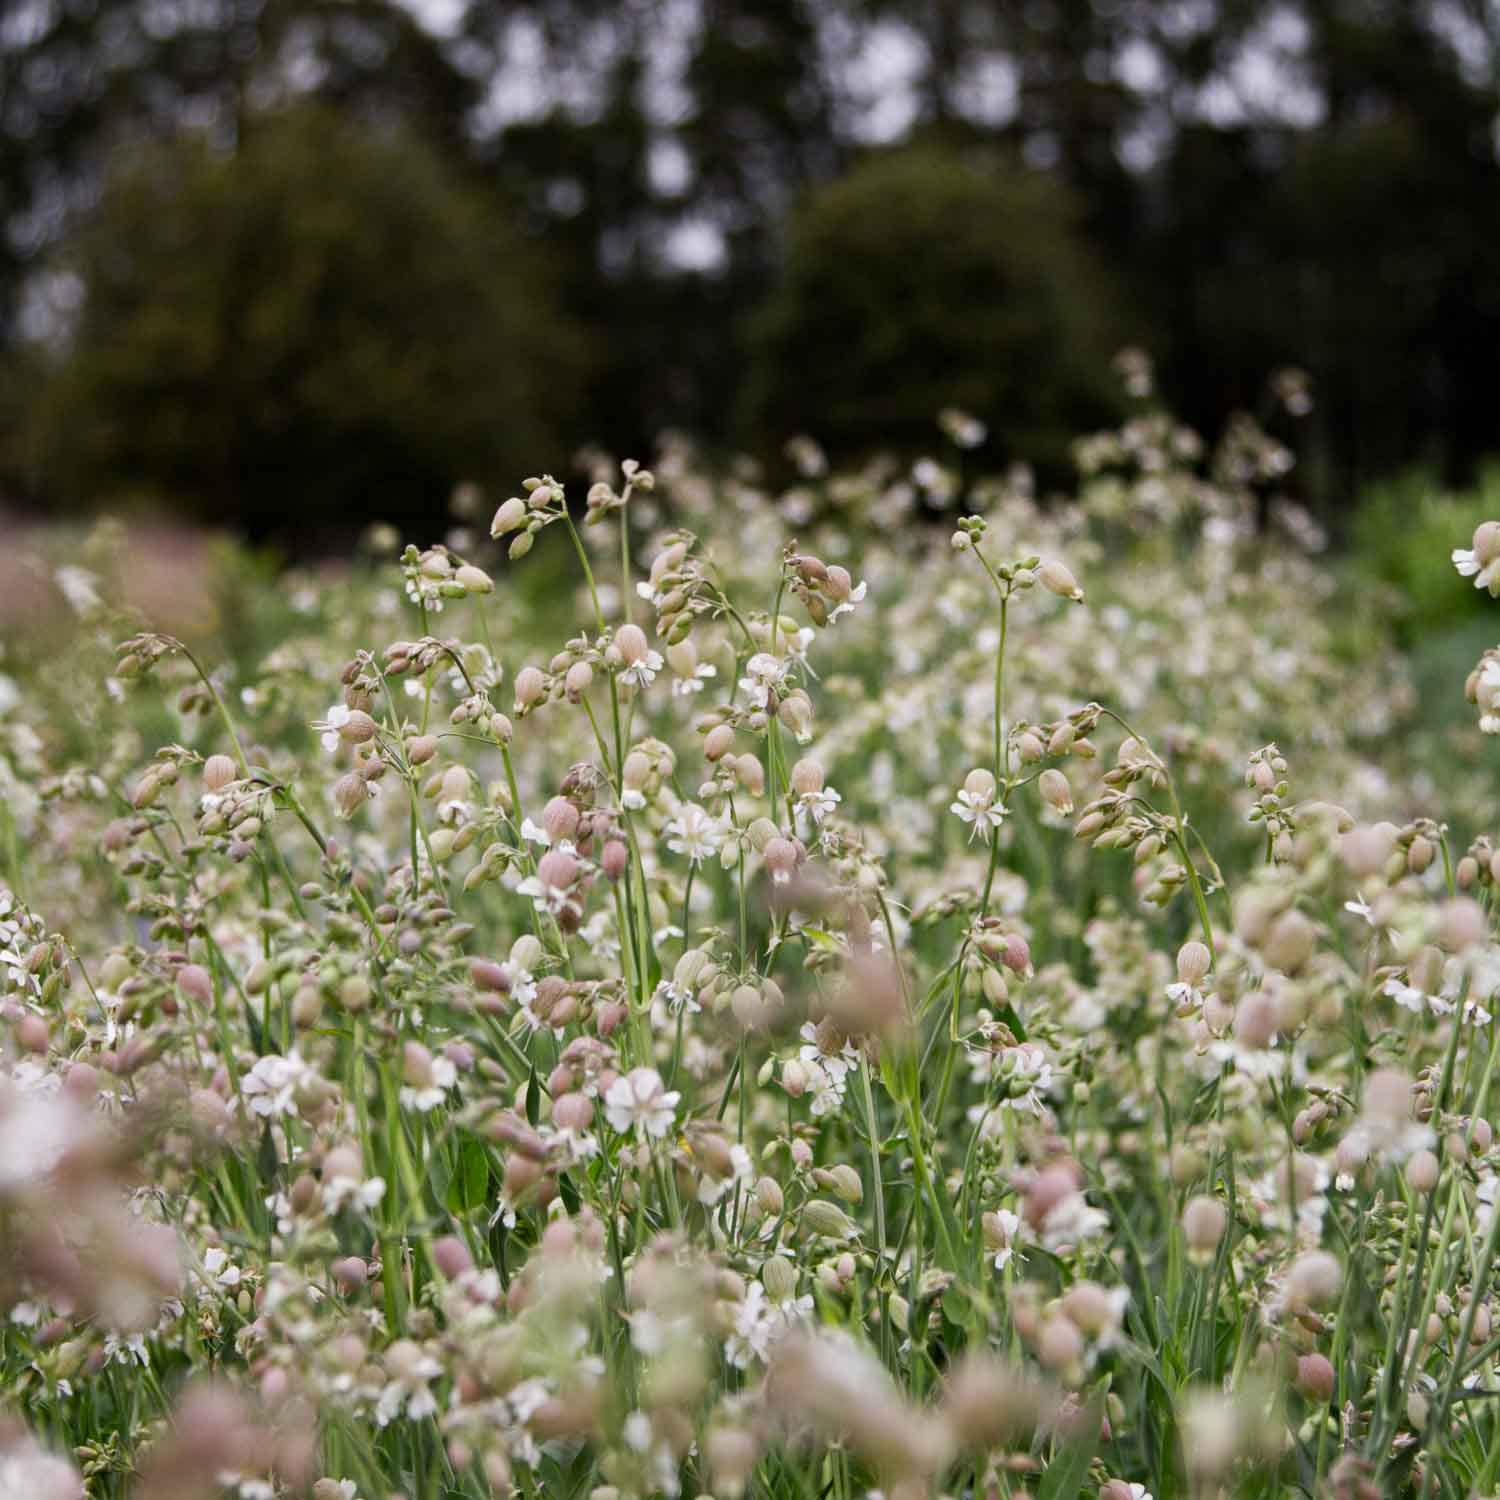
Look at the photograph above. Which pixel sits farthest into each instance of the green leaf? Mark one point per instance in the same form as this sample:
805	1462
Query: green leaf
266	1160
533	1099
468	1188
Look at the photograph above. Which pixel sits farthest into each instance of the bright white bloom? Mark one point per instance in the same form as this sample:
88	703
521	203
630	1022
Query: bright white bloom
759	1323
341	1191
640	1102
1009	1225
684	687
846	606
675	998
1027	1076
693	832
408	1391
979	813
219	1268
1468	565
330	724
271	1085
712	1189
814	808
80	588
642	673
764	675
441	1076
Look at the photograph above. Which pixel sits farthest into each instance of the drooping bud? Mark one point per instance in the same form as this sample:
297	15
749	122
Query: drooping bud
1056	578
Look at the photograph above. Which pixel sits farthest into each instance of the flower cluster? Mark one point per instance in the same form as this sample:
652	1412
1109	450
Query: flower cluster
855	1015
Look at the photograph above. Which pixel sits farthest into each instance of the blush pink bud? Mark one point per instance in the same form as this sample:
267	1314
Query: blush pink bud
1193	962
1057	578
1422	1171
572	1111
1052	1185
614	858
350	1273
1203	1221
451	1256
608	1018
1056	792
32	1034
489	975
1461	925
82	1081
717	742
631	643
557	869
194	982
560	819
780	856
1315	1377
218	772
1017	957
807	777
530	685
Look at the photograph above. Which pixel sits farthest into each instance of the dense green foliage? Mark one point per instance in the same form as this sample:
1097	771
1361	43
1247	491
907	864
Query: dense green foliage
918	283
324	325
1313	183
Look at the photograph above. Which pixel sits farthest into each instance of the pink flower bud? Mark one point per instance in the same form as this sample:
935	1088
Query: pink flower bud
1315	1377
218	772
349	1273
194	983
631	643
451	1256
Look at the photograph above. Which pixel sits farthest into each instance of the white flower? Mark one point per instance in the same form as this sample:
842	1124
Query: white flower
1027	1075
79	588
640	1102
338	1191
643	672
1072	1221
1467	563
552	899
1009	1225
712	1189
330	724
978	812
1407	996
675	998
219	1268
695	833
685	686
441	1076
759	1323
764	675
271	1085
1361	908
409	1391
846	606
814	808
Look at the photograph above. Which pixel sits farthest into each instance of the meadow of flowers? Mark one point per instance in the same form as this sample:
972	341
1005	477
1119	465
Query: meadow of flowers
720	991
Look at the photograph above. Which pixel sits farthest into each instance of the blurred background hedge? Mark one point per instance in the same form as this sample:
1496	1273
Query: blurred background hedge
295	263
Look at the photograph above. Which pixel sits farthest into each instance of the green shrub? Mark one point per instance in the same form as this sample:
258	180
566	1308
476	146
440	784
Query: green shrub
320	326
919	282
